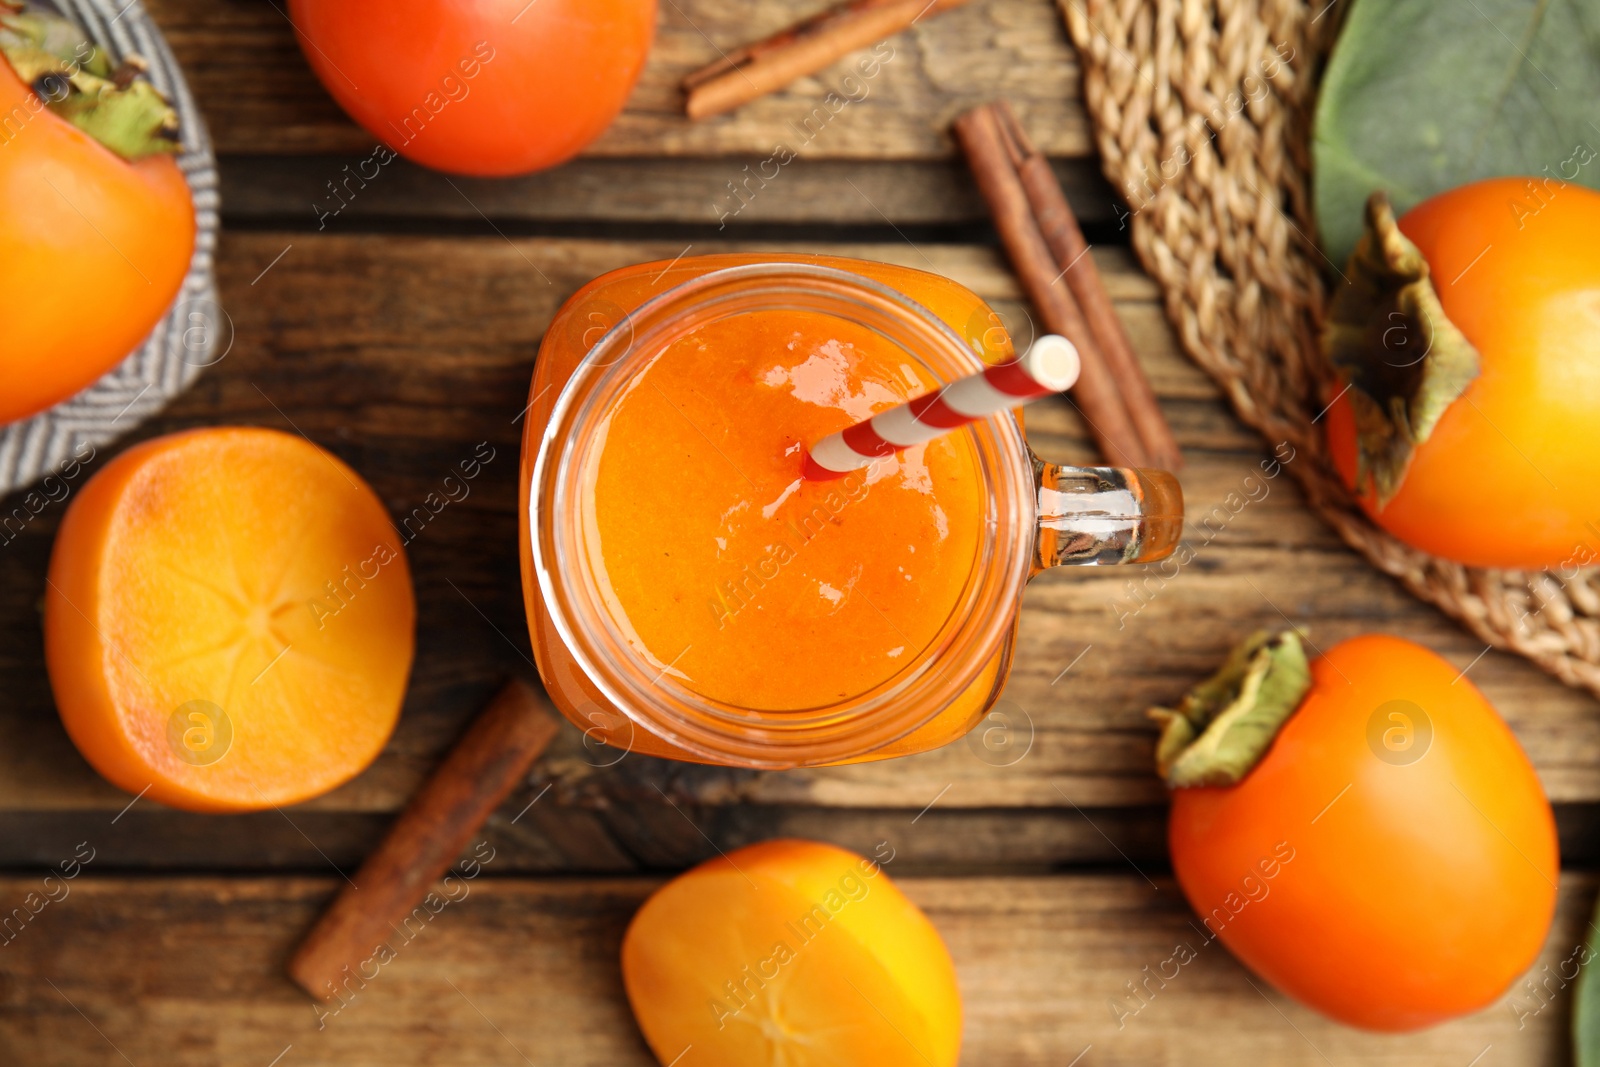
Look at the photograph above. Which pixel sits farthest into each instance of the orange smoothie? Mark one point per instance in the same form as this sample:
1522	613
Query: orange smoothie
764	590
722	573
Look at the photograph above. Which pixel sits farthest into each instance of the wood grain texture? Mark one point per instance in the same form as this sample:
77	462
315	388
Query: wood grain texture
259	95
535	835
186	971
542	835
727	193
404	354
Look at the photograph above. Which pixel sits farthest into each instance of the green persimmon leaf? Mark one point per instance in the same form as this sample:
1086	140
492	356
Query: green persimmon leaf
1421	96
1586	1006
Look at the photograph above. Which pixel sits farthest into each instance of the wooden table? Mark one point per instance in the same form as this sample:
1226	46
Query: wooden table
401	334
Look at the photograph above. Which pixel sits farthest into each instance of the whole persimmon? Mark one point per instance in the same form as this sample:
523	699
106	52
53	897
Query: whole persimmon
1468	338
97	226
480	87
791	954
1388	858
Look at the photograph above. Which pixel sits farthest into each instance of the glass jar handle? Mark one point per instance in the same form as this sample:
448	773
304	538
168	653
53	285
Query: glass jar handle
1099	516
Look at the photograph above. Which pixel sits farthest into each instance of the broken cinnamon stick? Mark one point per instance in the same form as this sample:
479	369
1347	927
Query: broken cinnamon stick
1096	393
1061	233
804	48
475	777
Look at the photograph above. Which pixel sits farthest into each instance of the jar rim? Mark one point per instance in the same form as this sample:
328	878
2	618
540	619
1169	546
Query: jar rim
973	635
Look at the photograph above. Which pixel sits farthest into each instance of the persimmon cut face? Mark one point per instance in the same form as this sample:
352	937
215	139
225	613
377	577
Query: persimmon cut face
791	953
229	620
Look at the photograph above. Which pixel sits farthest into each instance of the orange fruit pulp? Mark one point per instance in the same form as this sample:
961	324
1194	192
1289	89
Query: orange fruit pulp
718	562
794	953
228	620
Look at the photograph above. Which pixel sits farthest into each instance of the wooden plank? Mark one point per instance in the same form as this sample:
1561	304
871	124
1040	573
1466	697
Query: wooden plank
258	95
557	837
328	192
402	354
188	971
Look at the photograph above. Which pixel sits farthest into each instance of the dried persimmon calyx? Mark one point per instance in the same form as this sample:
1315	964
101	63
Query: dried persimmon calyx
1225	724
114	104
1397	353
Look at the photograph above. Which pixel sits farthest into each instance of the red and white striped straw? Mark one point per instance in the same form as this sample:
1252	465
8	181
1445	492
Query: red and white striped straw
1050	366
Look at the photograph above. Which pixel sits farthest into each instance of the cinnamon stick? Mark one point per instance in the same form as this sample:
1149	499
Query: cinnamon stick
804	48
1096	393
476	775
1061	233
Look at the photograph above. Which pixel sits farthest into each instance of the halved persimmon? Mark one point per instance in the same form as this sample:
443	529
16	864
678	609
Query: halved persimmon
791	953
228	621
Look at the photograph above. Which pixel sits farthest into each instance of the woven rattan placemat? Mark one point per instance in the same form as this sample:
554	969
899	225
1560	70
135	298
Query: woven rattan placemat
1202	113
